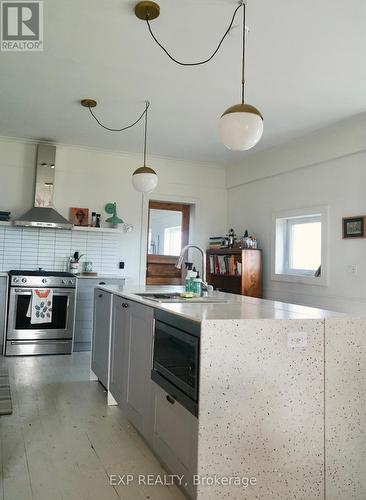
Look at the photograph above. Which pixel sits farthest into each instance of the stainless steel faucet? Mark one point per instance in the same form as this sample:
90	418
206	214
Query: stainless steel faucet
179	263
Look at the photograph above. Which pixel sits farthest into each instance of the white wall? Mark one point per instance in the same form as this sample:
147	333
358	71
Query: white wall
280	179
91	178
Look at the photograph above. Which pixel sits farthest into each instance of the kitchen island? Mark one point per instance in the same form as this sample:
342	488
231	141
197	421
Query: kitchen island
281	392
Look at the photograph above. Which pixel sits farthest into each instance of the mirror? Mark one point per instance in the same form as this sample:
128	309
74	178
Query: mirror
165	232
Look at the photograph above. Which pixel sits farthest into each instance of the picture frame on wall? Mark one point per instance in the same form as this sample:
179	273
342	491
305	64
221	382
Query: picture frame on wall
354	227
79	216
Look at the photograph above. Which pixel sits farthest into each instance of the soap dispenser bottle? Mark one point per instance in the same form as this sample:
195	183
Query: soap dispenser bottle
197	286
188	284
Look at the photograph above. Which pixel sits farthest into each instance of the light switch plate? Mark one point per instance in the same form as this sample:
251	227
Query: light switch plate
297	339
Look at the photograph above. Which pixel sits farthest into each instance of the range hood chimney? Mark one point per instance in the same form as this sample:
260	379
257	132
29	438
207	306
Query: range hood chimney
43	214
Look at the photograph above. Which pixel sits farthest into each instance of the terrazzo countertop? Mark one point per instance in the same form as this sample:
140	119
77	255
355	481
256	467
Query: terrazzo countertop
237	306
4	275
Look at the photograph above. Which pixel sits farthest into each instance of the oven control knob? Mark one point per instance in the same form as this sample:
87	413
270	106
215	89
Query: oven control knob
44	280
15	280
63	282
71	282
24	280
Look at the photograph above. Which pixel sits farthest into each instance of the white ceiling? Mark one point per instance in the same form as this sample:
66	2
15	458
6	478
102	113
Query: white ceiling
305	70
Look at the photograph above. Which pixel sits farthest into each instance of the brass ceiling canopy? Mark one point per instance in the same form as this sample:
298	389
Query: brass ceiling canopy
88	103
147	10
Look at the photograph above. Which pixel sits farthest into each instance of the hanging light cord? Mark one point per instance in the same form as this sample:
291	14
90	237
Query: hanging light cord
145	138
243	58
123	128
242	3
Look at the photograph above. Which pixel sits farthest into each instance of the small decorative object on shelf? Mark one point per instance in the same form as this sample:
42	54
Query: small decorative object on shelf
4	216
231	238
218	242
246	241
111	208
79	216
97	223
235	270
354	227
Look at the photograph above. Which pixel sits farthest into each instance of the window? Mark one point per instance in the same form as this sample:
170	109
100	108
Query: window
172	240
303	245
299	247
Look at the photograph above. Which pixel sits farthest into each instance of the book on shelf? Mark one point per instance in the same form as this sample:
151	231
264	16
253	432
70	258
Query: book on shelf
225	264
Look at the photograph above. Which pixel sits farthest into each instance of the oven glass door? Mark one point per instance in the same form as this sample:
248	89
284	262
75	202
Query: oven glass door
176	357
60	326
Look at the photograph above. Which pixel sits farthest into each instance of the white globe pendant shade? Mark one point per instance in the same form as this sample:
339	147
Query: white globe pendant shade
241	127
144	180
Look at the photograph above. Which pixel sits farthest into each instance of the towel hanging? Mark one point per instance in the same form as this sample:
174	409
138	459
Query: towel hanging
40	306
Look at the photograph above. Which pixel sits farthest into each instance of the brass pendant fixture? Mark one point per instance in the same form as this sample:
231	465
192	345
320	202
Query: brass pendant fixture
144	179
241	125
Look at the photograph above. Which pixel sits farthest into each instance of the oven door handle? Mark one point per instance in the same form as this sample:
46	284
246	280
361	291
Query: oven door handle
57	292
37	341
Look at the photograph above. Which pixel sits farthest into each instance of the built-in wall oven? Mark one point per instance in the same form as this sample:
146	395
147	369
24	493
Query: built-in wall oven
176	358
52	337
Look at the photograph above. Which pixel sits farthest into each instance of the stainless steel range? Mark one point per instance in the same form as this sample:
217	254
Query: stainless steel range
55	334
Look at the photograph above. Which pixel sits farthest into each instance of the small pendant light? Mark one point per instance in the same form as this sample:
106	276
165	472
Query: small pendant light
144	179
241	125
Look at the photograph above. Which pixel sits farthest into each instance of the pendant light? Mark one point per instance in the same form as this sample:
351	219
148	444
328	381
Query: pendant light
144	179
241	125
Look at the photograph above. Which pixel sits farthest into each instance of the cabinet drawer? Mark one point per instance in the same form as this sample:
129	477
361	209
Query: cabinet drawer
175	437
90	284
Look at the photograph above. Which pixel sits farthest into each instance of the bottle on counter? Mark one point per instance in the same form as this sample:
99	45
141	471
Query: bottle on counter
97	222
254	243
189	275
93	219
197	286
193	276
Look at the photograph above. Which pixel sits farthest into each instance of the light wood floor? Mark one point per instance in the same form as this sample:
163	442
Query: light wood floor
63	441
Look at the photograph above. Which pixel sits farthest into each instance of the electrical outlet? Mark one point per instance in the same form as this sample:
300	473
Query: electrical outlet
352	269
121	265
297	339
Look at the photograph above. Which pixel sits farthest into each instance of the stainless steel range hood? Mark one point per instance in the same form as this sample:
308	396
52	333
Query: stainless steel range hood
43	214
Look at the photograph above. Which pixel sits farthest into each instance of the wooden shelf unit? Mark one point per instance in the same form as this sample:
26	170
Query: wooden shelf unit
249	283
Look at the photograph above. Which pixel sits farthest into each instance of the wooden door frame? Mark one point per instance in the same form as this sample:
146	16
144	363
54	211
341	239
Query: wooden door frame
184	208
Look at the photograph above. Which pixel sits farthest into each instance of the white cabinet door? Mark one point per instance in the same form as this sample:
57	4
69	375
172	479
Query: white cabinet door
119	348
101	335
139	359
84	309
175	436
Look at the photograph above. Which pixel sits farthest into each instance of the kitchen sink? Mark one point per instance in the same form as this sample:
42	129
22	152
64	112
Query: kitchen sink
176	298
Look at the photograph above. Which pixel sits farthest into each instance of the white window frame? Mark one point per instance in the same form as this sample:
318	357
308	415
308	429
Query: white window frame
281	230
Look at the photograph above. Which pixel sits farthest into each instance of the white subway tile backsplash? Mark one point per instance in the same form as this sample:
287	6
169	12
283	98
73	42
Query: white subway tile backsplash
24	248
